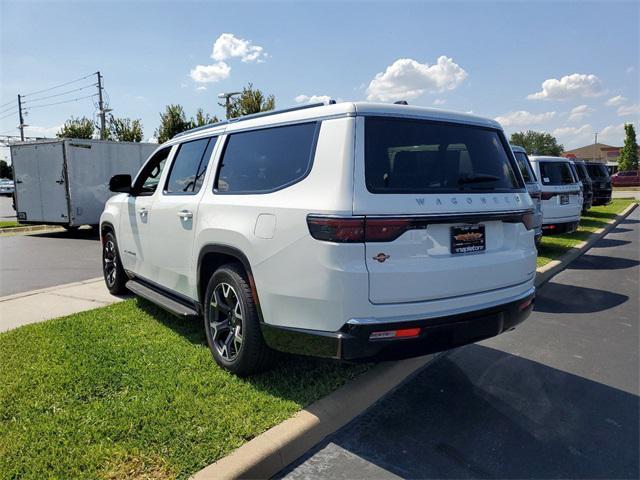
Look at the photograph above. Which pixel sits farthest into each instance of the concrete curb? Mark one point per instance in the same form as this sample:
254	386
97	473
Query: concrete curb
270	452
30	228
281	445
50	289
545	273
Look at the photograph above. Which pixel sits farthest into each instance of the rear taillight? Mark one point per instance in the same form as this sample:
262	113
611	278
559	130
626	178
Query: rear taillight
536	195
386	230
528	220
333	229
547	195
358	229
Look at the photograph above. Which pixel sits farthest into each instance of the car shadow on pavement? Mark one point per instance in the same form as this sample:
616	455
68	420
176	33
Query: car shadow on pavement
610	242
82	234
483	413
560	298
601	262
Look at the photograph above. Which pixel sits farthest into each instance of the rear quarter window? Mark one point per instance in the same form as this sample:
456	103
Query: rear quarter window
417	156
266	160
525	167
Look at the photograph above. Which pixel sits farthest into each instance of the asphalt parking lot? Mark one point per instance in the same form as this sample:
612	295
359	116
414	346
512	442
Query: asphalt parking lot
556	398
40	260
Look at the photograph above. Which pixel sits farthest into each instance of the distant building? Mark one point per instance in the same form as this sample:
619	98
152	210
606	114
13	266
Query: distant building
598	152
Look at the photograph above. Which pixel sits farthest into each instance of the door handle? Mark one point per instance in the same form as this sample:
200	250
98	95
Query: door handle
185	214
18	181
142	211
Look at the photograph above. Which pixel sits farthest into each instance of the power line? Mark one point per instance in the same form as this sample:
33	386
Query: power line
59	103
13	107
60	85
10	115
59	94
5	104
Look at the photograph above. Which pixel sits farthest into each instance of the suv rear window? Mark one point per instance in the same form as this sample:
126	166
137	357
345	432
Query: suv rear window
597	170
525	167
418	156
582	172
556	173
261	161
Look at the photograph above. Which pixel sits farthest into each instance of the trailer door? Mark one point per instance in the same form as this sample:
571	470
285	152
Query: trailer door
41	194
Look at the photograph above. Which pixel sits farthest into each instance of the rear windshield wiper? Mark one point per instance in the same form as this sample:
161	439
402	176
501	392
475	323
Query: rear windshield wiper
477	178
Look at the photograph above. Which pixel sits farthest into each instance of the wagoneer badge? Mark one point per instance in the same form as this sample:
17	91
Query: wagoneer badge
381	257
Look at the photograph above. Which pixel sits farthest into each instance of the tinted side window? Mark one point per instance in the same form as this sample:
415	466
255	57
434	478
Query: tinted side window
149	177
266	160
525	168
189	166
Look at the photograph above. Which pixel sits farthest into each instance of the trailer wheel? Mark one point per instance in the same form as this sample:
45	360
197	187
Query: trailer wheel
114	275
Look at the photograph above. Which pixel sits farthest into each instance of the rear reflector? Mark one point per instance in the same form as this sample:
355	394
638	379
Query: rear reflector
526	304
402	333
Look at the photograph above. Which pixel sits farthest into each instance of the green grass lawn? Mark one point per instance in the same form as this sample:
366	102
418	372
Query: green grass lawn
9	224
554	246
128	391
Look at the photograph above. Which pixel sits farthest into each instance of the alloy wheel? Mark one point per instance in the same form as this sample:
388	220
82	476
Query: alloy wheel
110	259
226	321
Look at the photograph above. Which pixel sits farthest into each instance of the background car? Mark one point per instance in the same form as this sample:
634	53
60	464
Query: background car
7	187
561	194
629	178
587	185
601	182
533	187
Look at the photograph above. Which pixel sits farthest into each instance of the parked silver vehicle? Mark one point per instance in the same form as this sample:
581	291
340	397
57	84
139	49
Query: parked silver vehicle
533	187
6	187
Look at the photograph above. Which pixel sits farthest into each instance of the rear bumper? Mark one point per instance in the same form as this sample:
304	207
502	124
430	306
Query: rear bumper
353	343
601	197
563	227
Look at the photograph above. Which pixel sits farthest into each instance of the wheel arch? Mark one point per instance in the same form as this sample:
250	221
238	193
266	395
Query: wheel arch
212	256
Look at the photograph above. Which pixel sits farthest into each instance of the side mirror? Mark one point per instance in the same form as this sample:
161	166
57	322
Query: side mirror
120	184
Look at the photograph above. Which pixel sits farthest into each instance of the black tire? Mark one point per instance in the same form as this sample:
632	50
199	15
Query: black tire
252	355
114	275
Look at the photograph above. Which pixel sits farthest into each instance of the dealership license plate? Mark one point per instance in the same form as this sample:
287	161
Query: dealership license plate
564	199
467	239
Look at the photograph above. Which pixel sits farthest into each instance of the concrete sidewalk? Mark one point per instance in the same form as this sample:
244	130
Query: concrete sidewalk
39	305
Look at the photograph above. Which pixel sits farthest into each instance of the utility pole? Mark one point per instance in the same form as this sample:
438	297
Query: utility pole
22	125
103	126
227	100
595	142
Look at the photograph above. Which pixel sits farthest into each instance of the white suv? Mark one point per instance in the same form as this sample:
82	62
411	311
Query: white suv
352	231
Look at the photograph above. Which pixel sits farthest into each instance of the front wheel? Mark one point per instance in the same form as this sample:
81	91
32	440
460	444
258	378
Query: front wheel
232	325
114	275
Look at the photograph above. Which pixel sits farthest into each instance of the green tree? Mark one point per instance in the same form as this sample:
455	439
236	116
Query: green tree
202	119
77	128
6	170
628	159
538	143
172	121
125	129
251	100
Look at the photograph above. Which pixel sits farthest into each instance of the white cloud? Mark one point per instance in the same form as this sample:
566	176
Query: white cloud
579	113
624	110
570	86
405	79
312	98
573	137
210	73
631	69
228	46
522	118
201	87
35	131
439	101
612	135
615	101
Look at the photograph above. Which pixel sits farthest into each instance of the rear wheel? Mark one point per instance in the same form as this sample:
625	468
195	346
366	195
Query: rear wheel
232	325
114	274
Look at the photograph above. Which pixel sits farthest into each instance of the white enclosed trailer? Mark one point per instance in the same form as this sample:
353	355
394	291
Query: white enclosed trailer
66	181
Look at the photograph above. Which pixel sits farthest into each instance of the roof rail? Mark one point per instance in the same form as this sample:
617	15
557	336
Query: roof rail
252	116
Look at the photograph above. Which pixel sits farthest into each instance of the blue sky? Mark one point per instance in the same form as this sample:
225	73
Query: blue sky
484	57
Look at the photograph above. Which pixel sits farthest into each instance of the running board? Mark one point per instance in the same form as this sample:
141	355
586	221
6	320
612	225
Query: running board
163	301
